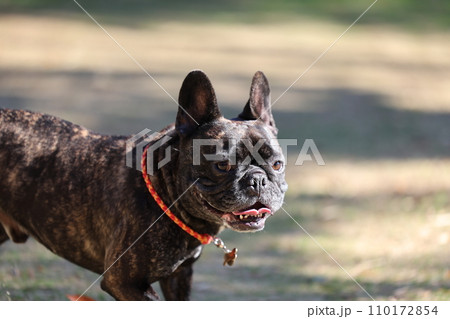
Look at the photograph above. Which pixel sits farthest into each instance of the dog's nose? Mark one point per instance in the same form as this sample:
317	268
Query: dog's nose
257	183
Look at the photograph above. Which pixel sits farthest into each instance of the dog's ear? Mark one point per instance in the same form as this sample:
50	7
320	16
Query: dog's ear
258	106
197	103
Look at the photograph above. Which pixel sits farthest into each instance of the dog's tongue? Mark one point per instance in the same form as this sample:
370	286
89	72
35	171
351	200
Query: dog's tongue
254	211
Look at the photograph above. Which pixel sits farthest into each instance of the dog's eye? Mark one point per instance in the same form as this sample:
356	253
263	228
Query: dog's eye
277	165
224	166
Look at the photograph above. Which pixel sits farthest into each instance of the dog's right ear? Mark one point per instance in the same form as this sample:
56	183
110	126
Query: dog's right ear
197	103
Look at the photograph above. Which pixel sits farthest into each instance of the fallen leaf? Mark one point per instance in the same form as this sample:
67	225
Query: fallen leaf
79	298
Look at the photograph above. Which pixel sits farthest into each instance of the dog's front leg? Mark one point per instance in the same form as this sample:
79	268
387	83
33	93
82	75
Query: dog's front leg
124	281
124	290
177	286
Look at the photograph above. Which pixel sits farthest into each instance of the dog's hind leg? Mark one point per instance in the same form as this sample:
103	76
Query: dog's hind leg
3	235
10	229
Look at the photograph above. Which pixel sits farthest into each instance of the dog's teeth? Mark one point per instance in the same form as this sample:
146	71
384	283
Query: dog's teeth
240	216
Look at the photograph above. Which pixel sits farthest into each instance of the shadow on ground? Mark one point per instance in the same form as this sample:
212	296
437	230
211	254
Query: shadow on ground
288	286
357	124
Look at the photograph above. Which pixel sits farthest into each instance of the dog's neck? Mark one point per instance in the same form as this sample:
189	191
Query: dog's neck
167	175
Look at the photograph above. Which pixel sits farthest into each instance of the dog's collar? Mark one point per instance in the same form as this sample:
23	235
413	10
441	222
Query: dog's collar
205	239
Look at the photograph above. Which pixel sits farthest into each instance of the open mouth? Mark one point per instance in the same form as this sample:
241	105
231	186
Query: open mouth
255	211
247	219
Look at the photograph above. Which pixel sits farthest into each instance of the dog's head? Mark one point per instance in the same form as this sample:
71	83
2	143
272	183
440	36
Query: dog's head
238	163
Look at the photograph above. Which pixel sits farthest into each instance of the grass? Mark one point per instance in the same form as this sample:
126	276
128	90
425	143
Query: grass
377	106
410	14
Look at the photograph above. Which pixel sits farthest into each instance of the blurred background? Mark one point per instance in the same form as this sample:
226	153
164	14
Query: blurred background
377	106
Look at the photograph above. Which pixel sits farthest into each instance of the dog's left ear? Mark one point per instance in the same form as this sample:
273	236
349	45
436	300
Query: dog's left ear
258	106
197	103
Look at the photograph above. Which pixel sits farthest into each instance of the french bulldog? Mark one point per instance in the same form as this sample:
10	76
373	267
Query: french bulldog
70	190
